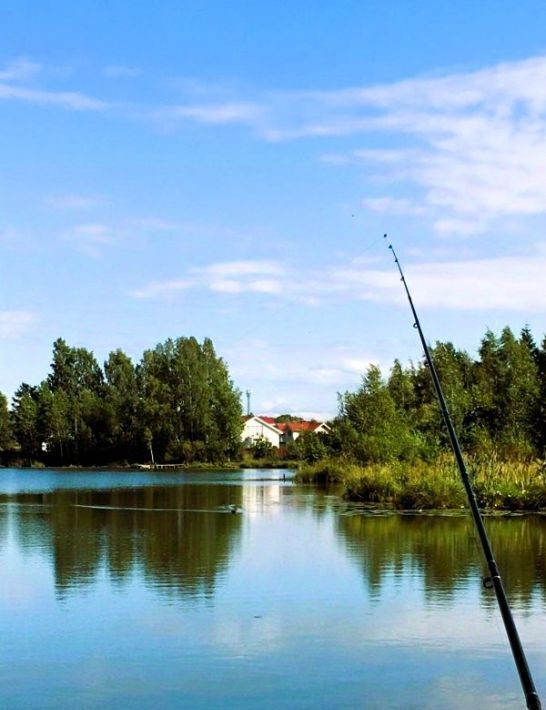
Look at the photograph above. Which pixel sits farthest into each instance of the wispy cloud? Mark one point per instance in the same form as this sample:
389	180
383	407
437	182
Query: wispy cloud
19	70
90	239
507	283
165	290
15	324
69	202
223	113
393	205
477	139
242	268
511	283
73	100
156	224
231	277
323	366
474	142
13	238
120	71
14	85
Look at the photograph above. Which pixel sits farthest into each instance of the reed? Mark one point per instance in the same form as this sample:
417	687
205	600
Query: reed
498	485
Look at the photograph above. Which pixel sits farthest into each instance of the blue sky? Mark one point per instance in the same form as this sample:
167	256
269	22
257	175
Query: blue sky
227	170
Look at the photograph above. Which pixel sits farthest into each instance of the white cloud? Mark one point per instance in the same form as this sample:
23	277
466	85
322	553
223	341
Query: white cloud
474	143
294	375
265	286
334	159
72	100
462	227
477	139
90	239
356	364
230	112
73	202
163	289
228	277
156	224
14	324
507	283
119	71
226	286
242	268
511	283
95	233
19	70
13	238
393	205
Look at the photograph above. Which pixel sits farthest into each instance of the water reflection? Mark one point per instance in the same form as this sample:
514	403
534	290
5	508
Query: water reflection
179	539
443	551
159	596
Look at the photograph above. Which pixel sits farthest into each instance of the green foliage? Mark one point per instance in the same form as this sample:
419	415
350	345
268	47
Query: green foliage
286	418
189	403
178	404
429	485
261	448
496	404
371	427
507	393
308	447
540	410
25	423
5	427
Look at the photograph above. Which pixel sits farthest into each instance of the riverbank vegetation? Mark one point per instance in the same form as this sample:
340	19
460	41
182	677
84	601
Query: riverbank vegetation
435	484
389	443
177	404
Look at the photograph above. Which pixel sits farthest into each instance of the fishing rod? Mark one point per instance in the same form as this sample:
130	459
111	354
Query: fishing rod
494	580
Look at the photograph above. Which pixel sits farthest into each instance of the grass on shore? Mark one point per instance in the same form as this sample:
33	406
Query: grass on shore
420	485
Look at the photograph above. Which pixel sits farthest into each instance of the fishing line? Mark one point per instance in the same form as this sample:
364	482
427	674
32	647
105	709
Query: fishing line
494	581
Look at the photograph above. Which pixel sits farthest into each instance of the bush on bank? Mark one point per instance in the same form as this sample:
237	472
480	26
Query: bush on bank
429	485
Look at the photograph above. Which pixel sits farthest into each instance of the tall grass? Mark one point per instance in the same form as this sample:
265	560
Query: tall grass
420	485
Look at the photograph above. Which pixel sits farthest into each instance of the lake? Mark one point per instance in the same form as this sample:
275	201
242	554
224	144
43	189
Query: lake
137	589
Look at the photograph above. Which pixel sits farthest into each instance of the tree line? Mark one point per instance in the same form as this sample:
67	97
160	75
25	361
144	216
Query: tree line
177	404
497	401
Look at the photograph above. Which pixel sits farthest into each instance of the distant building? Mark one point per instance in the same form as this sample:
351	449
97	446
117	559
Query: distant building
292	430
255	428
277	434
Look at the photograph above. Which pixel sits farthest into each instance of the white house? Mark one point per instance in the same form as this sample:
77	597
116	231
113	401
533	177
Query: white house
256	428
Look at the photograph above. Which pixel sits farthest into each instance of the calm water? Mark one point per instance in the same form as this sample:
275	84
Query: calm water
144	590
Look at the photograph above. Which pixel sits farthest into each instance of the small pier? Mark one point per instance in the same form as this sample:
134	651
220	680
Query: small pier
161	466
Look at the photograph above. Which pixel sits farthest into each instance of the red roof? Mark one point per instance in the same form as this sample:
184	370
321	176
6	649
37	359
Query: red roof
266	420
284	426
269	420
302	426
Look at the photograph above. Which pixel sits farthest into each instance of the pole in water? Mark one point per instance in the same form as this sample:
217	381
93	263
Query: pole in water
531	696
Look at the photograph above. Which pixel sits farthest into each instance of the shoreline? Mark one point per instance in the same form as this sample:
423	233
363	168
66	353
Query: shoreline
419	485
161	468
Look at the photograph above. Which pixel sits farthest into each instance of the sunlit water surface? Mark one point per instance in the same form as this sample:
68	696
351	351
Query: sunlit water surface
146	590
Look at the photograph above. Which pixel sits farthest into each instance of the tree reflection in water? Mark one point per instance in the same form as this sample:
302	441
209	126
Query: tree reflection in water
179	538
443	550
